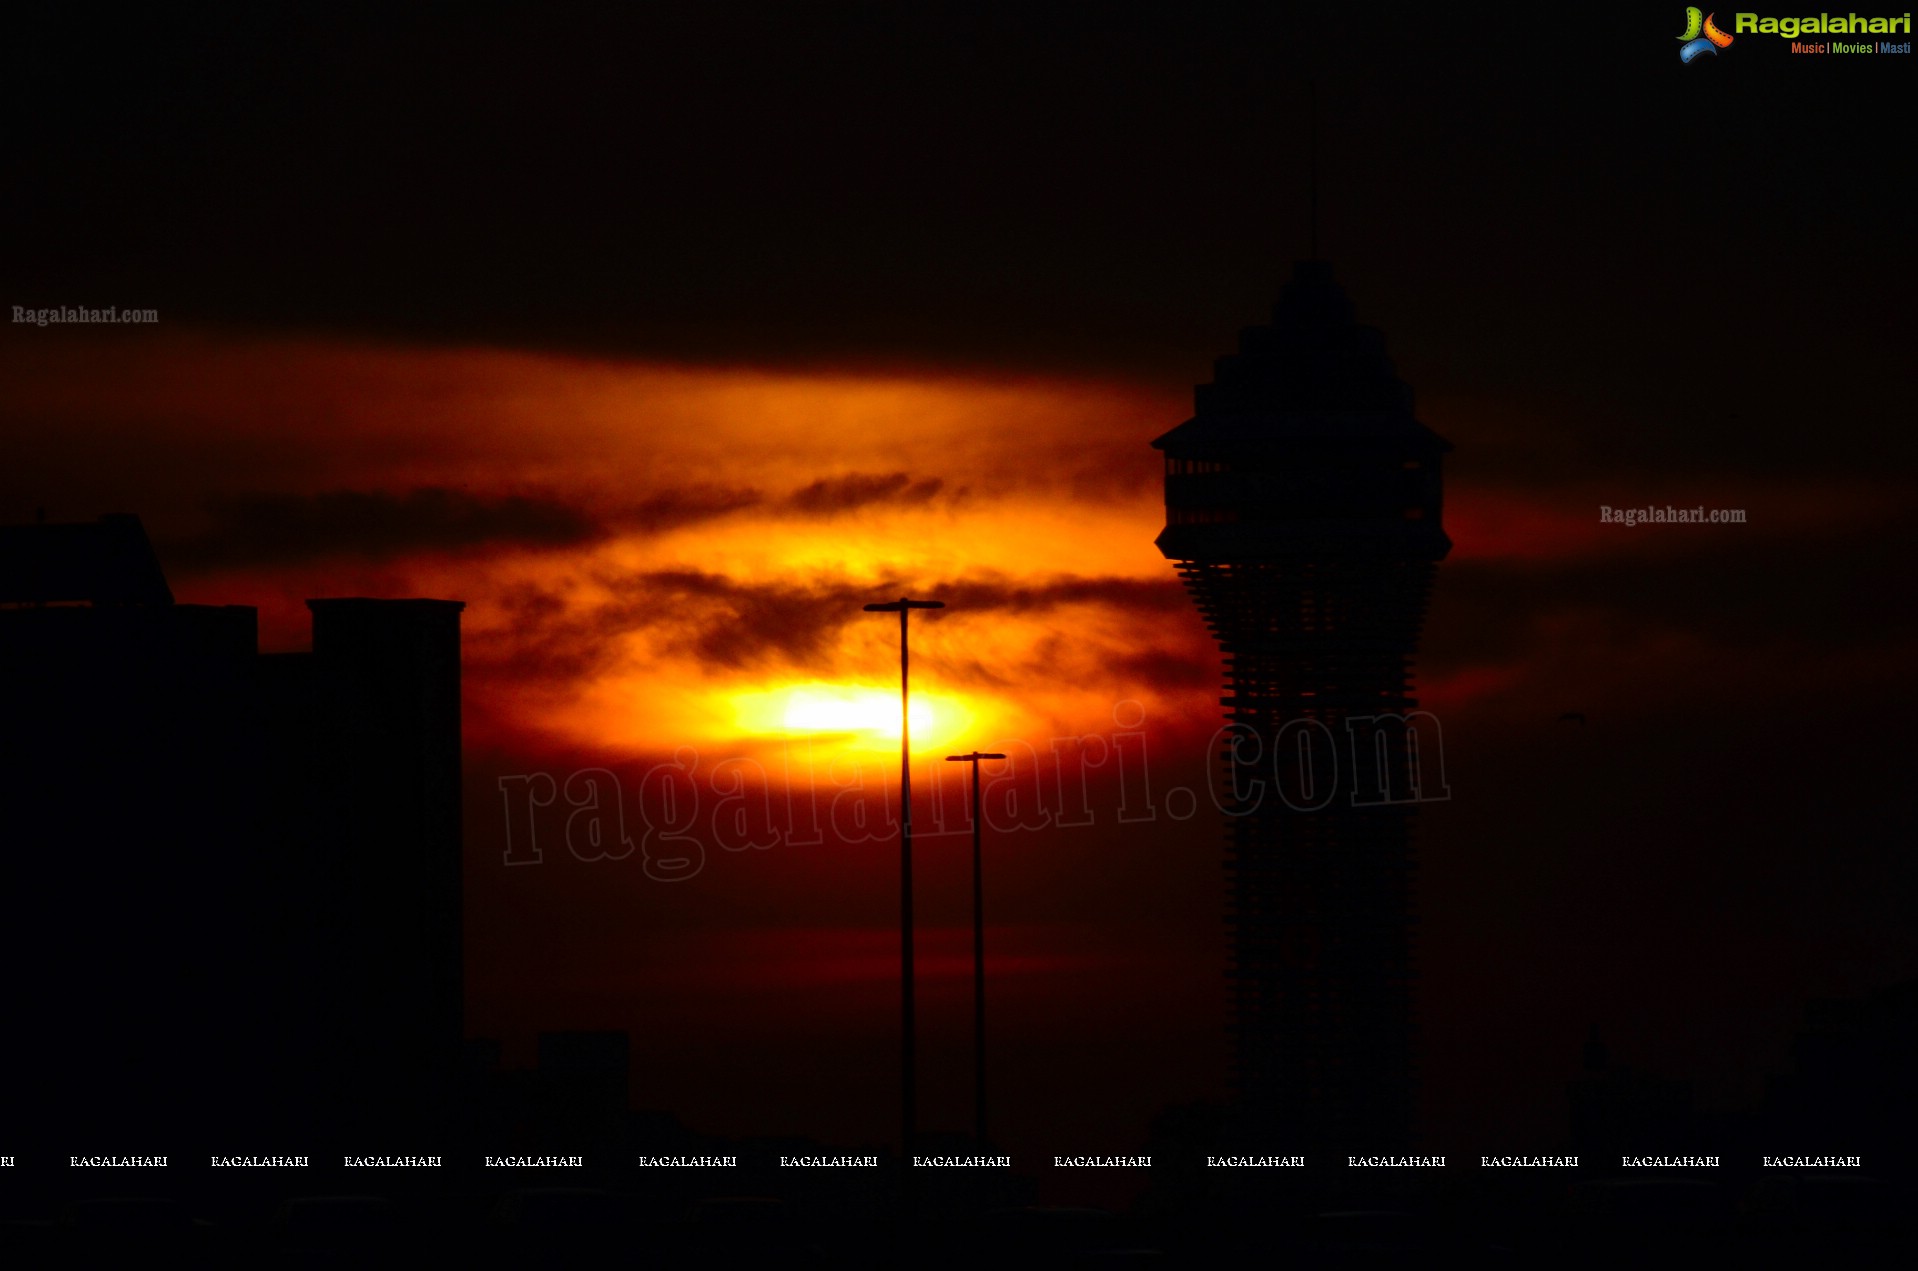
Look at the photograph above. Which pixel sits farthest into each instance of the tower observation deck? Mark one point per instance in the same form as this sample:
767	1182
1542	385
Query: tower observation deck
1303	514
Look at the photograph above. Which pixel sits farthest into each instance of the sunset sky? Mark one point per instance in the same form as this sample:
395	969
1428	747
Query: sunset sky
667	340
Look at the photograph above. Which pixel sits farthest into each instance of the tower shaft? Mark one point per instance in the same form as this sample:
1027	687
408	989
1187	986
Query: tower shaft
1303	505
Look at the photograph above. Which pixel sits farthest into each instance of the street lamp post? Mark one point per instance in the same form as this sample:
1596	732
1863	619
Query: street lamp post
908	1042
978	956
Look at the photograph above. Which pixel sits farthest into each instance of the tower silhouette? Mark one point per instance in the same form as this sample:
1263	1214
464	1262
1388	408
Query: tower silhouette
1302	511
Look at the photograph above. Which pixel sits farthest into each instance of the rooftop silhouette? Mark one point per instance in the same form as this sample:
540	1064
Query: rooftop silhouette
237	876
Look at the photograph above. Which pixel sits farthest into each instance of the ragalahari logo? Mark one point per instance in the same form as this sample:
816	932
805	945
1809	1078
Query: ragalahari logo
1711	41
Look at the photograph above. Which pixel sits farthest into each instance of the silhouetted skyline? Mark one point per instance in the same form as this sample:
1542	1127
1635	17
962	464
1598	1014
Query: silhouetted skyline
667	337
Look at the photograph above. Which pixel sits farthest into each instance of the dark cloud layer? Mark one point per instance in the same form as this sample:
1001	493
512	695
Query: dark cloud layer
723	622
1727	587
689	505
284	529
829	495
270	529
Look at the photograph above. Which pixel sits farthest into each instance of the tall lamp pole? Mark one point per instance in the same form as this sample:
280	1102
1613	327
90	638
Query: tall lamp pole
978	956
908	1042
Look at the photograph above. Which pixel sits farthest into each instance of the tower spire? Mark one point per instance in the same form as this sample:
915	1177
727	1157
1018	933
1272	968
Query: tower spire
1312	182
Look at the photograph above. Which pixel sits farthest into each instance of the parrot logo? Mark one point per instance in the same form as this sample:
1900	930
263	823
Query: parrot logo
1710	41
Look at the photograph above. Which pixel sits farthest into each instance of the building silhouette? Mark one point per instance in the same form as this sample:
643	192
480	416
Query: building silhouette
1851	1087
1303	513
230	898
1616	1108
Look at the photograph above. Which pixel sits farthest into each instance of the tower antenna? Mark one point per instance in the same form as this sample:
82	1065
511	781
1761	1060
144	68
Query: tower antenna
1312	182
